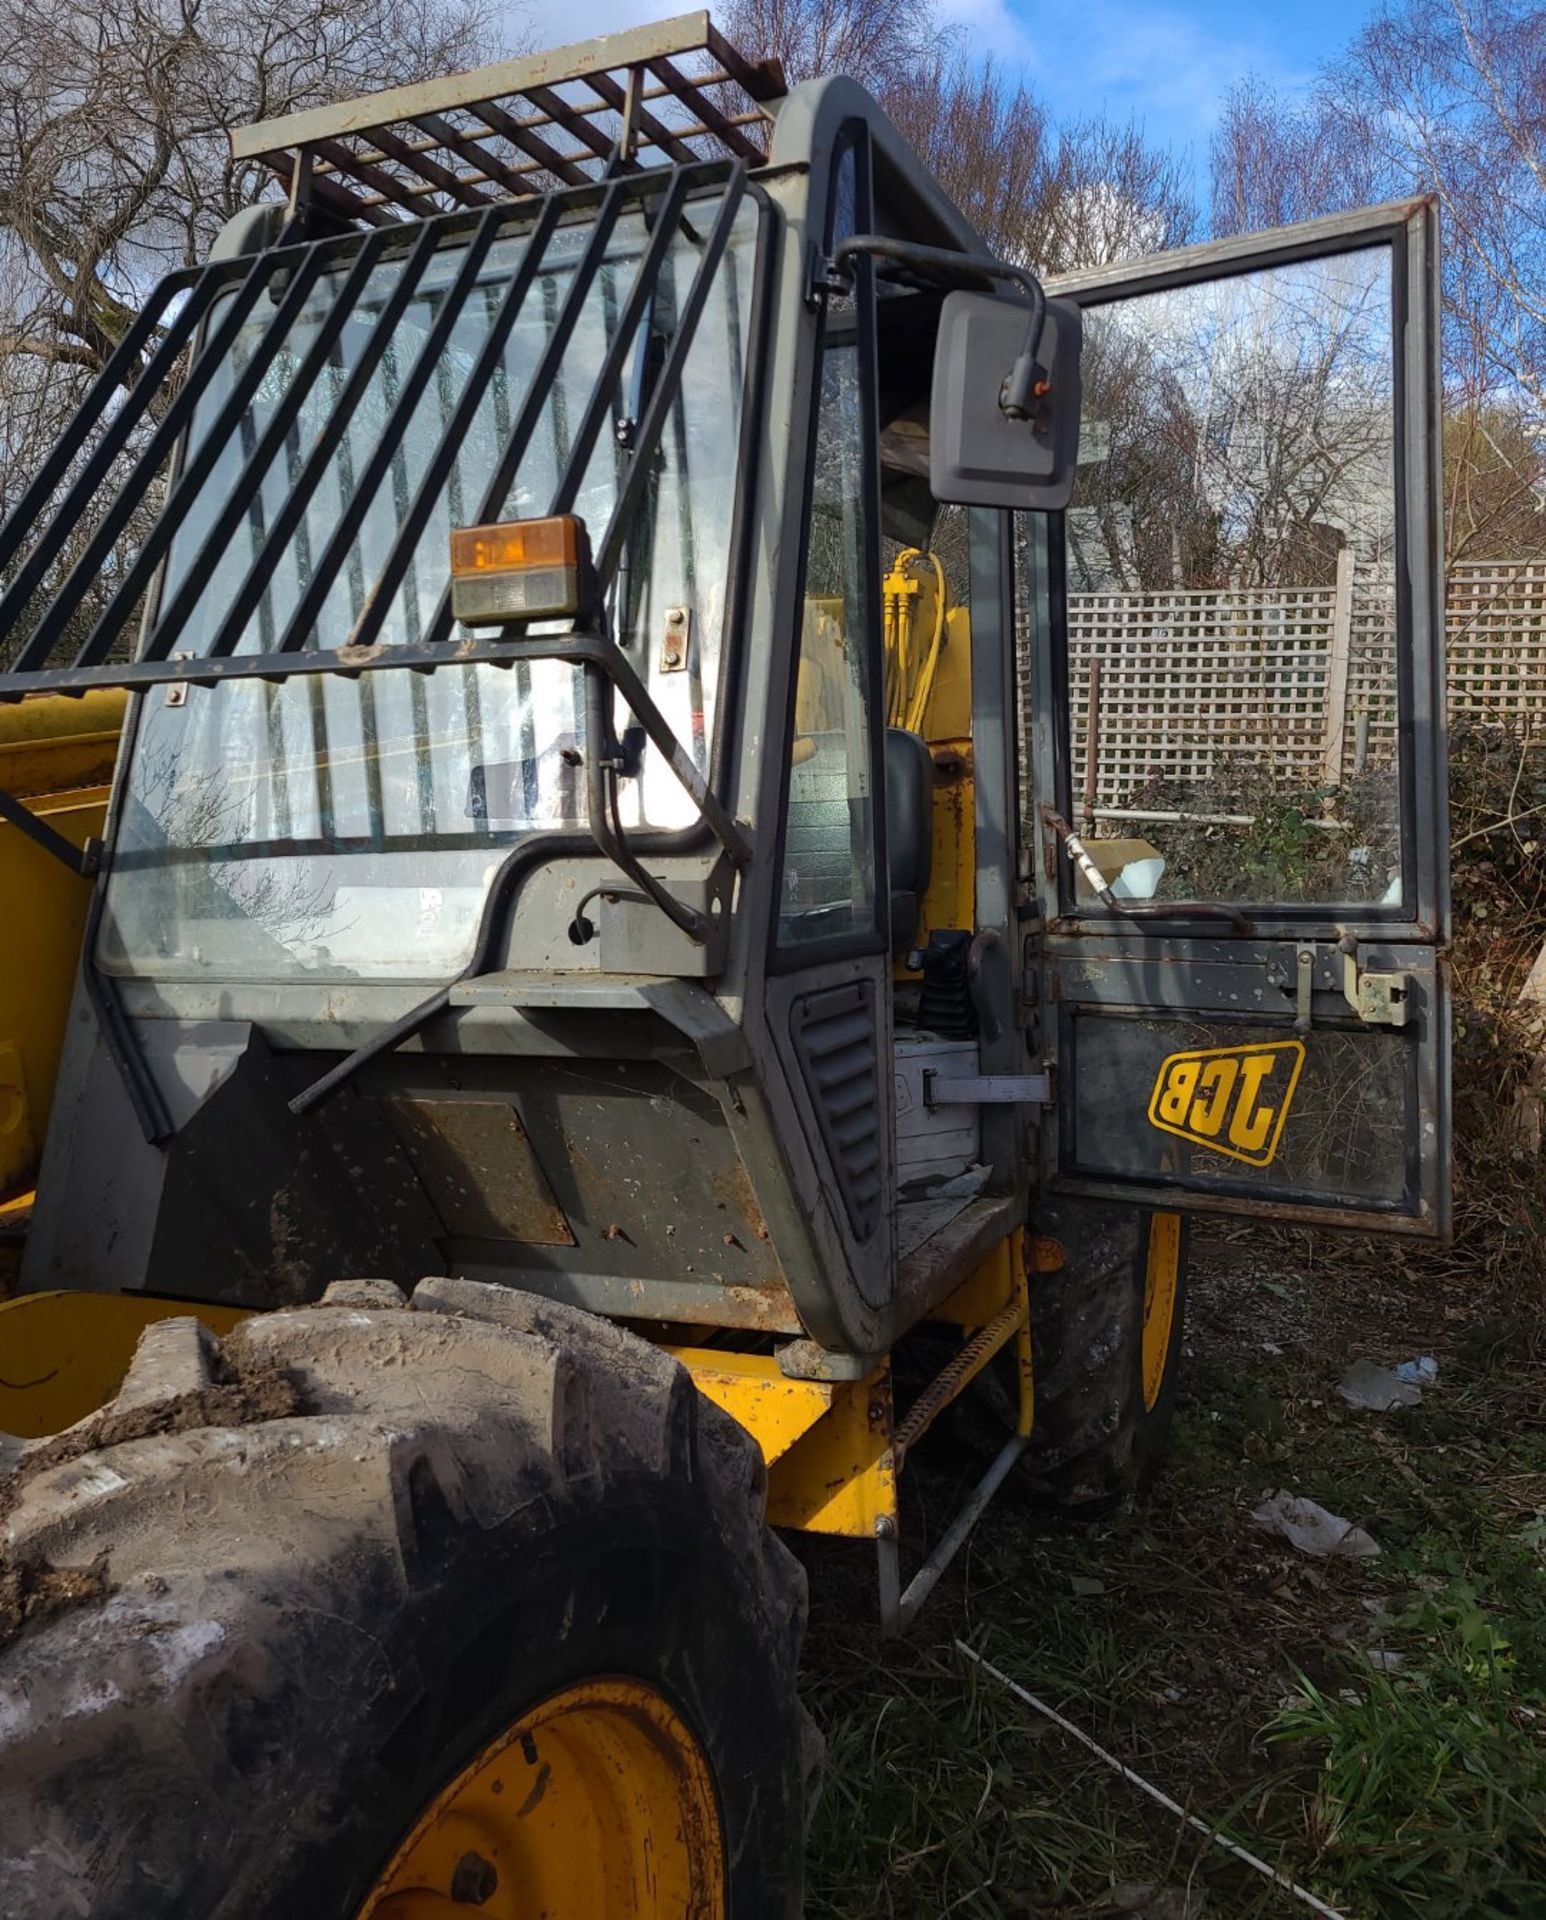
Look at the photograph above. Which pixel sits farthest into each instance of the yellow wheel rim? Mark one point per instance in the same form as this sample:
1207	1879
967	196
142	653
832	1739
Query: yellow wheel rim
598	1803
1162	1274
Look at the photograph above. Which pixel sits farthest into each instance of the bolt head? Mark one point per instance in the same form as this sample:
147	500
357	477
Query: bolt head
474	1881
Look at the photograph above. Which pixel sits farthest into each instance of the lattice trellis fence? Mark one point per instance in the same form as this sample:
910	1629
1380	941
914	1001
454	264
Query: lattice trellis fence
1496	634
1301	679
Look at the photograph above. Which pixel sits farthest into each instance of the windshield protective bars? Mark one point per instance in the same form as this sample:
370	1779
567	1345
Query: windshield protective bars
124	445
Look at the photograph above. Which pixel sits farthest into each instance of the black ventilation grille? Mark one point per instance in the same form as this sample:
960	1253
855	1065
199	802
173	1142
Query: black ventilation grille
835	1040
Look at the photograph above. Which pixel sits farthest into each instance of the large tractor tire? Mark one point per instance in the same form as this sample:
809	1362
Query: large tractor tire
1106	1333
388	1610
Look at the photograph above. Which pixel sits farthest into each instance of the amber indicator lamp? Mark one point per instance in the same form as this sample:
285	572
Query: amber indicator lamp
520	570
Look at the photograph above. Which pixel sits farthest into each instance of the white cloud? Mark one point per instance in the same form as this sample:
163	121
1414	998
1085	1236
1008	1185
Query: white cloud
991	27
1176	62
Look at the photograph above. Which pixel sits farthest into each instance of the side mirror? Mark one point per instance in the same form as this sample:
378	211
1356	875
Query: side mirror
981	455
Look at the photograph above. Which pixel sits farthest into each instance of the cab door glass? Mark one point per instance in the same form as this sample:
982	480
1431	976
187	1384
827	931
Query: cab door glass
827	885
1233	701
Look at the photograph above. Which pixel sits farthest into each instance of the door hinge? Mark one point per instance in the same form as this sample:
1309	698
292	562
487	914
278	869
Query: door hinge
987	1089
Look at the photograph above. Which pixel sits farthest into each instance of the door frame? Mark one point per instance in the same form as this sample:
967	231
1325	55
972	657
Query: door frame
1410	228
1175	965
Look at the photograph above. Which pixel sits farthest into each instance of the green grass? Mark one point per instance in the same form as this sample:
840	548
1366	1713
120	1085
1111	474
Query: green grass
1229	1670
1430	1795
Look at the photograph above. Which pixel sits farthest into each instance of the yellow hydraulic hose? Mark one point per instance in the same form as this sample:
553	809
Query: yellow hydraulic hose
920	701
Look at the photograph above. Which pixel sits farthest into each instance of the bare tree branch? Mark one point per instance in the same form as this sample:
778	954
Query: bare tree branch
1445	97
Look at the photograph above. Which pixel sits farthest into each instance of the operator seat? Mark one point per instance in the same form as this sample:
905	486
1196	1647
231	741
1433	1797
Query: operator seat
909	829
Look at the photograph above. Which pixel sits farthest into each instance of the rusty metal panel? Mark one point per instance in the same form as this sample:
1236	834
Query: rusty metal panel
660	1217
479	1170
1300	1112
932	1271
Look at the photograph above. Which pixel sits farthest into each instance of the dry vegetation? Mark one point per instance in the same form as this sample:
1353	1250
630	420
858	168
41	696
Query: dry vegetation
1498	869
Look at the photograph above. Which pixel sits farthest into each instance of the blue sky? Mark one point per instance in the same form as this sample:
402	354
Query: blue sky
1168	66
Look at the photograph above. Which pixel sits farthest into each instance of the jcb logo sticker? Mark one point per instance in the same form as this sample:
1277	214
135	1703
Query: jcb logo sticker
1232	1099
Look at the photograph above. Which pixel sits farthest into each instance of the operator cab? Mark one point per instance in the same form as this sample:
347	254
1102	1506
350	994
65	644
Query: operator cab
667	933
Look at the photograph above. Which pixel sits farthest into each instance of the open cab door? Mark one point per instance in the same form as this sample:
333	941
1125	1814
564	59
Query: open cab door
1239	755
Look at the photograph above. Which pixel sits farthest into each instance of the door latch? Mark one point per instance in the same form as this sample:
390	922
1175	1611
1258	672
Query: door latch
1379	999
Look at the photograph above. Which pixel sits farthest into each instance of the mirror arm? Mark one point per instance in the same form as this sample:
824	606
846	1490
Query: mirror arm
1018	398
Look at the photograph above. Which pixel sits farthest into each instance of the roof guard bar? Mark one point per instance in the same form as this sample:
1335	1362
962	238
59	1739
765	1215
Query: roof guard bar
675	88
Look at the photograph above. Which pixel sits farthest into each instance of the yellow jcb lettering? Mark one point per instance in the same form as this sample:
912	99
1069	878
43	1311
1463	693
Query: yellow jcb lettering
1252	1124
1215	1084
1180	1085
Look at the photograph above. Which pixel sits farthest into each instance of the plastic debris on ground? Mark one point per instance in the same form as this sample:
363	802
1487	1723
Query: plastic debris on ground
1421	1372
1149	1903
1375	1389
1312	1529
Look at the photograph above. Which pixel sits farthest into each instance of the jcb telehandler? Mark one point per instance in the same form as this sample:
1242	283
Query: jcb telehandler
632	803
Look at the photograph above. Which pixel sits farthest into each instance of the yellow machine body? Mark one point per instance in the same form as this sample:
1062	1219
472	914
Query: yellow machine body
928	642
56	756
834	1448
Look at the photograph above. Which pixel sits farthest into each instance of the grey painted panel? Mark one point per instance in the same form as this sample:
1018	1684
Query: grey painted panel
100	1182
738	1151
715	1300
1250	977
1004	1129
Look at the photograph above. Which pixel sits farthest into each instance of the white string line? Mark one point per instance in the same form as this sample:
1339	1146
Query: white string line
1219	1840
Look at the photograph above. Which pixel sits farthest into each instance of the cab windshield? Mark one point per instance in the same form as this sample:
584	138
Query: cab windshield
337	826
